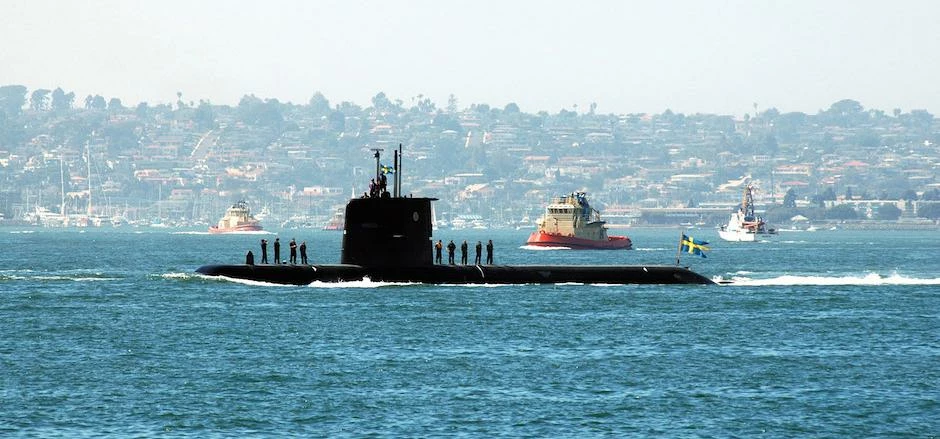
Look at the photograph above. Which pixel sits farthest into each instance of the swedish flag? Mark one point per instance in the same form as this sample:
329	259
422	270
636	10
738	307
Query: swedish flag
694	246
388	170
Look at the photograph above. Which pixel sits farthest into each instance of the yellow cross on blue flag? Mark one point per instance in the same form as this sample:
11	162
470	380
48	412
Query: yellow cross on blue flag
694	246
388	169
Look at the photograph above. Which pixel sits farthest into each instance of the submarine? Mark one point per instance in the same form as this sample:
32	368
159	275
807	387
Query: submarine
388	238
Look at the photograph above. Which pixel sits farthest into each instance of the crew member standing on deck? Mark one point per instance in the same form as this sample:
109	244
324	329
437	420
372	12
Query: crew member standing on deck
450	252
293	251
303	252
437	252
489	252
479	248
264	251
463	252
277	250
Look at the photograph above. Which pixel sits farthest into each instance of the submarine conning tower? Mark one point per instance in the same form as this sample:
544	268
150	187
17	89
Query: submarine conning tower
388	232
385	229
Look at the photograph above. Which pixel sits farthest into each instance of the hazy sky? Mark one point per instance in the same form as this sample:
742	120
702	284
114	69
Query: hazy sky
627	56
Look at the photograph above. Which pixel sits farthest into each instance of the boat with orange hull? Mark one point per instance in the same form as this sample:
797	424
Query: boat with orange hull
542	239
237	219
571	222
337	222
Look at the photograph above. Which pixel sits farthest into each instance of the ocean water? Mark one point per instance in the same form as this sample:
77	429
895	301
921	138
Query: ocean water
820	334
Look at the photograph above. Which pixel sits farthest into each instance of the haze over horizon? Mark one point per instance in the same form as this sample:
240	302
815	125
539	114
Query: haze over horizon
628	57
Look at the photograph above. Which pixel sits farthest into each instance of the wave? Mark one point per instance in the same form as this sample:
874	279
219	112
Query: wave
247	232
867	279
364	283
542	248
59	277
181	275
17	232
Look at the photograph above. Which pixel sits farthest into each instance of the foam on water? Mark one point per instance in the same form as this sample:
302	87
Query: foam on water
246	232
364	283
543	248
872	279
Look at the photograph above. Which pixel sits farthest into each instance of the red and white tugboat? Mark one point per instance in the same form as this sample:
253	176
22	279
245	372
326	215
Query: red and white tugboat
571	222
237	219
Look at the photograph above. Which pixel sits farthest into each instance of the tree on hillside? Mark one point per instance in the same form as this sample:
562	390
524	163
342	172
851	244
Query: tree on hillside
12	99
95	102
114	104
887	212
929	210
445	121
39	99
253	111
380	102
204	116
142	111
319	105
336	121
770	145
828	195
789	200
842	212
62	101
909	194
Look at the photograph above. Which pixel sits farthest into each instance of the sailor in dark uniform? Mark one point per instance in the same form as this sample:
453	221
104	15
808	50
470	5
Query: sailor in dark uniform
277	250
303	252
463	252
250	258
479	248
293	251
264	251
437	252
450	252
489	252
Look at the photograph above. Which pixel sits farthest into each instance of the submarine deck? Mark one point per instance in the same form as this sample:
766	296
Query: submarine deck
461	274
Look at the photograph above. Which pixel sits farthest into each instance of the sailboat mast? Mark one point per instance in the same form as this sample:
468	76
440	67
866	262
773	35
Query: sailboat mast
62	185
88	173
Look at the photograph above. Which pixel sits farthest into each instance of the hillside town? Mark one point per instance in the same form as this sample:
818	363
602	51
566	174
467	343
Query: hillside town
69	161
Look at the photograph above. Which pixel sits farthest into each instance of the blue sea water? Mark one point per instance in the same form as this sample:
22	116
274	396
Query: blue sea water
821	334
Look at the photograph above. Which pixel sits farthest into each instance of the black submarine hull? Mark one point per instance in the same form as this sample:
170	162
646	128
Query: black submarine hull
460	274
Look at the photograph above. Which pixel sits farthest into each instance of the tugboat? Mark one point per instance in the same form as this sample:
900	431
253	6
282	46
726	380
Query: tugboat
571	222
387	237
237	219
744	225
336	222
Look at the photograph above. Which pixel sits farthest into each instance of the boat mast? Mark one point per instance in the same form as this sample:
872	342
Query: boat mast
378	168
748	203
62	184
88	169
